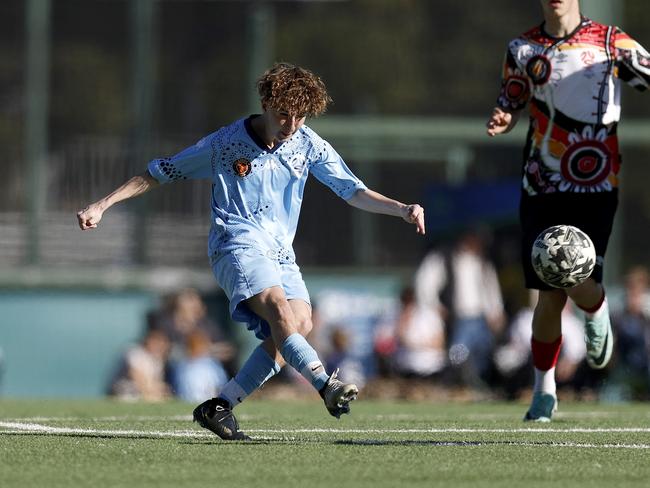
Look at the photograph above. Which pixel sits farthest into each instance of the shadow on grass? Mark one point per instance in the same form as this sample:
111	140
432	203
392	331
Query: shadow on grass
181	441
442	443
411	442
289	441
375	442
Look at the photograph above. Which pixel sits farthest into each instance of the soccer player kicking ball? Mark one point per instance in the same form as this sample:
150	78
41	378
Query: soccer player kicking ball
259	166
568	72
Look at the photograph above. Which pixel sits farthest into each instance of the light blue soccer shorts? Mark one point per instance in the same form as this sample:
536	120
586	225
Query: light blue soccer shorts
247	271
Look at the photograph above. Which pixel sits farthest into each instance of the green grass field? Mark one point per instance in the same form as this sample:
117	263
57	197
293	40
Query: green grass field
382	444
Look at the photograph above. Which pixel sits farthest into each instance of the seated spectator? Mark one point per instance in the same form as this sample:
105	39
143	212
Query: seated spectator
339	357
419	339
141	375
384	347
512	358
463	281
197	375
632	331
183	313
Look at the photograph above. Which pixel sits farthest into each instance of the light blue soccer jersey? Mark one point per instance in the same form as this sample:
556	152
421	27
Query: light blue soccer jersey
257	192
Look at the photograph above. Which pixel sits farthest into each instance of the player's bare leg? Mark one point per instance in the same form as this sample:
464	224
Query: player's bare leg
284	317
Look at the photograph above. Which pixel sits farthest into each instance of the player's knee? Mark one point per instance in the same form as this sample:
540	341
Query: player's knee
279	307
588	287
552	300
304	325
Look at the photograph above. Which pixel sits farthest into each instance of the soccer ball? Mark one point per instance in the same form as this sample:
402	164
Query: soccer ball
563	256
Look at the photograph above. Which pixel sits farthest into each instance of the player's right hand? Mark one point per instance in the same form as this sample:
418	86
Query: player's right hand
89	217
414	214
500	122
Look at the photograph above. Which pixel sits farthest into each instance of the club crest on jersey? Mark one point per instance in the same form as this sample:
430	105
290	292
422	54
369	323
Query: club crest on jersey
242	167
539	69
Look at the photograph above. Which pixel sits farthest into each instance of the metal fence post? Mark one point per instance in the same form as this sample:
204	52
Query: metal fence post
37	27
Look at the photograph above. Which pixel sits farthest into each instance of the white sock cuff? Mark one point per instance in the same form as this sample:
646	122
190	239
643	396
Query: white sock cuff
545	381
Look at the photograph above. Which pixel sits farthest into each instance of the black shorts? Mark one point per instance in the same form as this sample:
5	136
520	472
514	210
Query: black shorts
593	213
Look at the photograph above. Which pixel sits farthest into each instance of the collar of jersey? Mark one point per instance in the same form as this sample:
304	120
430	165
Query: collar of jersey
257	139
584	21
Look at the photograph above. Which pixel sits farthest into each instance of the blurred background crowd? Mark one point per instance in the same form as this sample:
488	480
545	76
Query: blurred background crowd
446	335
92	90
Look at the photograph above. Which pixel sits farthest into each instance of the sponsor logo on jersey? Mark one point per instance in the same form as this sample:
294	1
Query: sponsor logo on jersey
588	58
298	164
242	167
270	165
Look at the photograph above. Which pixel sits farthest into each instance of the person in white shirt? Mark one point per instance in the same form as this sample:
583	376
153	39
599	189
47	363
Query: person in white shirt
463	284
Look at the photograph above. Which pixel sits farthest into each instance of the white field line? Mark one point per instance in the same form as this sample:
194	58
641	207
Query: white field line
559	415
112	418
21	427
453	430
27	421
247	417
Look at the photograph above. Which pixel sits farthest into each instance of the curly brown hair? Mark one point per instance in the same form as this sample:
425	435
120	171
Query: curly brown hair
296	90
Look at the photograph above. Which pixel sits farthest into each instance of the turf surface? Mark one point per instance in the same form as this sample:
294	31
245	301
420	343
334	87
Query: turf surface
105	443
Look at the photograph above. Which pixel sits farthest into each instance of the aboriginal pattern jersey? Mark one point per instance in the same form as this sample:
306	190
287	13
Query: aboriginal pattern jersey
571	86
256	191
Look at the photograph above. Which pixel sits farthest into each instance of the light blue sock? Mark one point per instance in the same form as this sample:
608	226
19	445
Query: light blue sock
256	371
297	352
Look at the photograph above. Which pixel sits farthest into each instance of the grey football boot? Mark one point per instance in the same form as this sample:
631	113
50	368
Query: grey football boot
338	395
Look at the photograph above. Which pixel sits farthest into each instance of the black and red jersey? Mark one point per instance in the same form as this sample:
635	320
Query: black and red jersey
571	86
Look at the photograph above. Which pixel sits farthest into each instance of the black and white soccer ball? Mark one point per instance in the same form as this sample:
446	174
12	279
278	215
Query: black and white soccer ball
563	256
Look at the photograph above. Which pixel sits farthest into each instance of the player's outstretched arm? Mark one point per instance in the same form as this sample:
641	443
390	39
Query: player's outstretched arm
501	122
90	216
371	201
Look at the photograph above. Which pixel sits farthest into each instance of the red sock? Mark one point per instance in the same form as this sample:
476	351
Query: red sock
545	354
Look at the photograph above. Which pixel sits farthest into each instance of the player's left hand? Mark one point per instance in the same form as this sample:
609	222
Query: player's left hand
501	122
414	214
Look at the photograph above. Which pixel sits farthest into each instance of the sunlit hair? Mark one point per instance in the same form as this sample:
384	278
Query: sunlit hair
292	89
